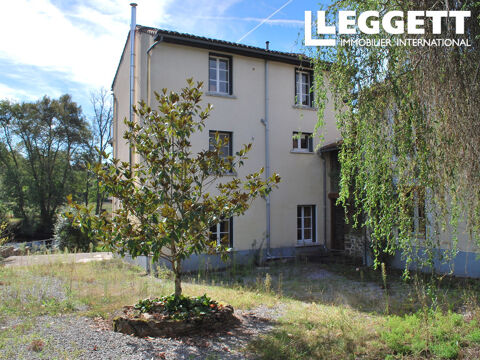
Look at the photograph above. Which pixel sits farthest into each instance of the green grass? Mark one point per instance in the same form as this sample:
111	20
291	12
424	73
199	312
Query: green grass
338	316
315	331
441	335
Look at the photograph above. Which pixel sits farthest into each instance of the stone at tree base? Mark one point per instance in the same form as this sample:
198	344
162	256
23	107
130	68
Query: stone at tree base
146	325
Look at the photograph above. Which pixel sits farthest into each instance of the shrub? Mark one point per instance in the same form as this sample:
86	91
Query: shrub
3	232
5	228
71	237
435	333
179	307
445	350
403	335
474	336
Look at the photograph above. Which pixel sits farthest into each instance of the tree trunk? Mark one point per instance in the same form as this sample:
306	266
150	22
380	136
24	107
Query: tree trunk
98	205
87	189
178	278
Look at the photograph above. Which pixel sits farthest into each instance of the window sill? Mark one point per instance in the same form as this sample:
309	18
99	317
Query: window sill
304	107
233	173
222	95
307	244
301	152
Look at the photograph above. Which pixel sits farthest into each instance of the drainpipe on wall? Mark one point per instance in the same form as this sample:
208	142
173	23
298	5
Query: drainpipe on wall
265	122
132	67
267	175
324	200
158	39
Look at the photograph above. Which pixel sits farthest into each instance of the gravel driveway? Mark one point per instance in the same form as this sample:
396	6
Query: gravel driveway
72	337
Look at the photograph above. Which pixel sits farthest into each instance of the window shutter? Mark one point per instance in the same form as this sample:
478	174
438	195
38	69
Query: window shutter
295	75
310	143
230	76
312	94
231	232
314	223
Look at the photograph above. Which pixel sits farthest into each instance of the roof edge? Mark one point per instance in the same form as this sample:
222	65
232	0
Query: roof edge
121	58
231	47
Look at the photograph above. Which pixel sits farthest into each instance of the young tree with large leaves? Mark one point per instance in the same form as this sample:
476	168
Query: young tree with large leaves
166	209
409	118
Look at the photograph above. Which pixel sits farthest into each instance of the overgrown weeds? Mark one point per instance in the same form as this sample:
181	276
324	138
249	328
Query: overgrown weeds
333	312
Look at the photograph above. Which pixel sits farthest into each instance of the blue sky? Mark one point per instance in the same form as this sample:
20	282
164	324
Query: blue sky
52	47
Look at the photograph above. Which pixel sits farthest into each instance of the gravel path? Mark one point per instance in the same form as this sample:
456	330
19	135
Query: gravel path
71	337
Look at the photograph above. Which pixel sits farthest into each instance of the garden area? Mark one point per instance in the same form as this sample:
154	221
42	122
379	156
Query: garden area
65	310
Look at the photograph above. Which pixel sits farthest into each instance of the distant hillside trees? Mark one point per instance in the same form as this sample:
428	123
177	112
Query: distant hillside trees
101	102
44	148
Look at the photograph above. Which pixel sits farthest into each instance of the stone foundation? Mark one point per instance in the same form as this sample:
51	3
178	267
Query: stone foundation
354	245
143	325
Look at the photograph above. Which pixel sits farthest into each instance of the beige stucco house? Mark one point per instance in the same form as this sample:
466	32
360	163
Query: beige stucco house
263	97
251	90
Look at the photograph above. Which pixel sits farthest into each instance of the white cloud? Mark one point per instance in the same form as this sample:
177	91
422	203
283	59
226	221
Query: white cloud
36	32
74	46
7	92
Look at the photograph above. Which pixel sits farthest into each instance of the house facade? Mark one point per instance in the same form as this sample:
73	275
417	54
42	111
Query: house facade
252	90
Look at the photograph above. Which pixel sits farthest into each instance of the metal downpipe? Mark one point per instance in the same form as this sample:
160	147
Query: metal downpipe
265	122
132	67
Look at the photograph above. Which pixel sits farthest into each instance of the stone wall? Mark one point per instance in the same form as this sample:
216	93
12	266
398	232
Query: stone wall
354	245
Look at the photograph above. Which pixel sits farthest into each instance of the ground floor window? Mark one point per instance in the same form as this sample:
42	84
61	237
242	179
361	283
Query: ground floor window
222	232
306	223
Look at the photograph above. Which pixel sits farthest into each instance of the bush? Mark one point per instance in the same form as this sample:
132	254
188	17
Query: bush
179	307
5	228
4	237
71	237
3	232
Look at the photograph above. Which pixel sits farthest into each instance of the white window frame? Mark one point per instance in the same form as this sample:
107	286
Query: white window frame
312	228
299	148
299	88
217	74
229	144
218	233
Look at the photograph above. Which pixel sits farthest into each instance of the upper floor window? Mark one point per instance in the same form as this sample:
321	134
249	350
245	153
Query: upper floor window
303	85
302	141
226	147
222	233
225	138
220	74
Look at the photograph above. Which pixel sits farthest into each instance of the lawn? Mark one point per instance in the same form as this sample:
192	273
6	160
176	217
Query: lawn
323	311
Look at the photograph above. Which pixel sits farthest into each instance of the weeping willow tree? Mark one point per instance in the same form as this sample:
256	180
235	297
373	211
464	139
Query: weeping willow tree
410	121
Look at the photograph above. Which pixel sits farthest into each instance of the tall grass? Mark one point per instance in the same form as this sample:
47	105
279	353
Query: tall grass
340	314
